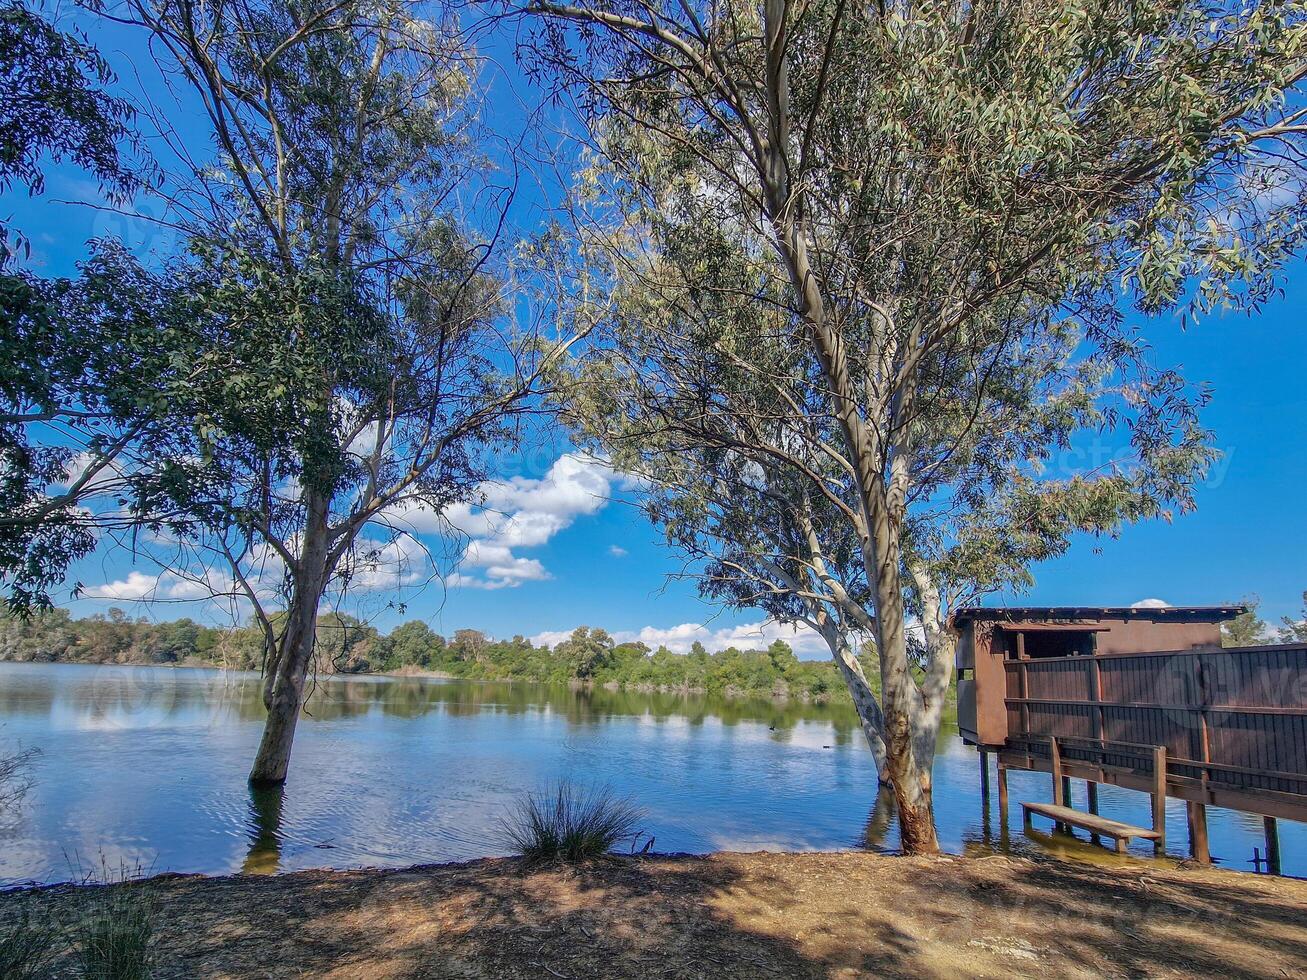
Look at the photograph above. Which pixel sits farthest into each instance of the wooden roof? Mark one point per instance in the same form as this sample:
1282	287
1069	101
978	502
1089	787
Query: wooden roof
1030	615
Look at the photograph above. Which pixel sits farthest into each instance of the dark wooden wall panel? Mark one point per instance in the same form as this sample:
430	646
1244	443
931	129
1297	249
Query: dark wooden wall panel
1236	719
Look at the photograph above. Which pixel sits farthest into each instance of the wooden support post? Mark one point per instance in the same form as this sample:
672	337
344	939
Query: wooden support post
1091	803
1002	792
1023	686
1066	790
1272	845
1159	799
1198	848
984	779
1059	787
1055	761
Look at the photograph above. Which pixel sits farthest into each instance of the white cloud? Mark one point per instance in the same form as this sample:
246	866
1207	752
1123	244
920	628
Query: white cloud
550	638
363	432
376	566
513	514
507	574
525	513
1151	604
181	585
199	586
364	443
137	585
617	551
679	639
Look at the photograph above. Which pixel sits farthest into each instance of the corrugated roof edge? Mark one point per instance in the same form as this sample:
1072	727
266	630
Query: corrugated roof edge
1202	613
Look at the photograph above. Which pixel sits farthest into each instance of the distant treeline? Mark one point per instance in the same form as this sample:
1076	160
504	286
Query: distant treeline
346	645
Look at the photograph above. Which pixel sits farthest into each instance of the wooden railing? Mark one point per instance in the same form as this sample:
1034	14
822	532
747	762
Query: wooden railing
1233	721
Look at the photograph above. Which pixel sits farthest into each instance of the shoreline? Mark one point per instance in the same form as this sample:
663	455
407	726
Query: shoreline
730	692
729	914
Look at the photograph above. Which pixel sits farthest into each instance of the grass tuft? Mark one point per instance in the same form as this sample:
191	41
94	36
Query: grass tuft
112	939
564	823
26	947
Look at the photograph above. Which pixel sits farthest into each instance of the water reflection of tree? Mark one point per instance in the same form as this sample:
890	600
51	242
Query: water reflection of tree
25	699
407	698
880	821
578	706
264	829
177	692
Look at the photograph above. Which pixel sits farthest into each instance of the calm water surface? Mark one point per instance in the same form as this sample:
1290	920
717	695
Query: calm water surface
147	766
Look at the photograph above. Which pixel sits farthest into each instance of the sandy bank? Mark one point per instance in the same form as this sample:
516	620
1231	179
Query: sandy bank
727	915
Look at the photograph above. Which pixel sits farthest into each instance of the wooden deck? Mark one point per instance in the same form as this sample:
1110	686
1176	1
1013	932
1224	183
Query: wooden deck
1120	833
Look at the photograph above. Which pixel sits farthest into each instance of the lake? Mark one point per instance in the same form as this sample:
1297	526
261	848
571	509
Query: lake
146	767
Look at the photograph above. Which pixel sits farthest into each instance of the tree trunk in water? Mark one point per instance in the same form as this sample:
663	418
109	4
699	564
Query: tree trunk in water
904	764
909	775
288	691
273	759
284	689
916	804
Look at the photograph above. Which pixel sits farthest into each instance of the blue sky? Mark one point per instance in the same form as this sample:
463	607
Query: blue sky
591	558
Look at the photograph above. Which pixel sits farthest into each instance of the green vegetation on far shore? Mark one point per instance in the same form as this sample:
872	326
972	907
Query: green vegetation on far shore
346	645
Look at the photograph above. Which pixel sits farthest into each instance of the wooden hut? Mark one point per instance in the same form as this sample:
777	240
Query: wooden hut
991	640
1144	698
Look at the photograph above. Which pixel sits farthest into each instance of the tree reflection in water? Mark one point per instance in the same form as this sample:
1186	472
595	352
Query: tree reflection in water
264	828
880	821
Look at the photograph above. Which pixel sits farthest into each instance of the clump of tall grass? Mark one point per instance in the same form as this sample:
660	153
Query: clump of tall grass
112	937
570	824
26	947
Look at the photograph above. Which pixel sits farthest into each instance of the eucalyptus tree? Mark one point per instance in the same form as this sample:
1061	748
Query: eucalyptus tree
938	211
354	360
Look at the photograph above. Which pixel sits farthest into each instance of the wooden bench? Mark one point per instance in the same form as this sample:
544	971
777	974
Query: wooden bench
1120	833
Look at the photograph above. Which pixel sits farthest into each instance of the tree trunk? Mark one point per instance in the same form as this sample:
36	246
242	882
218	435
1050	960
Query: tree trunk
868	451
284	688
908	756
906	768
273	759
916	803
864	700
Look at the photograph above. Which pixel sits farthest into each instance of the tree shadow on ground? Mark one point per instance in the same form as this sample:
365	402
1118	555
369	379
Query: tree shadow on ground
1143	919
726	916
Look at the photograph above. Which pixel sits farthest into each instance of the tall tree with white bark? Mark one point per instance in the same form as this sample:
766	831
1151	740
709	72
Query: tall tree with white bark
937	213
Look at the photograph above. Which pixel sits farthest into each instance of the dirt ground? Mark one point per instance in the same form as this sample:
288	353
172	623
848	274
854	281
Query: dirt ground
727	915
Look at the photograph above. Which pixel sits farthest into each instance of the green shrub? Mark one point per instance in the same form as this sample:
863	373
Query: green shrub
25	948
568	824
113	939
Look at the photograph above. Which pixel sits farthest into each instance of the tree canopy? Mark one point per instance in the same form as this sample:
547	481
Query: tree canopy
71	399
873	263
